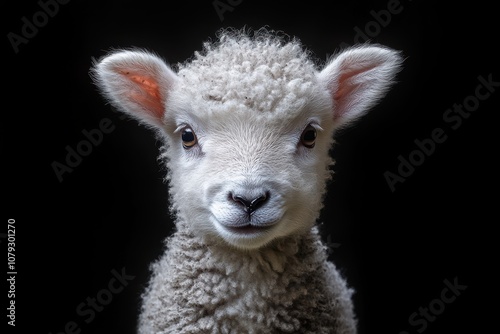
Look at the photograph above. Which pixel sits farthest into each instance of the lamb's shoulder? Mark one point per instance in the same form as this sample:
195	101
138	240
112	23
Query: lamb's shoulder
287	288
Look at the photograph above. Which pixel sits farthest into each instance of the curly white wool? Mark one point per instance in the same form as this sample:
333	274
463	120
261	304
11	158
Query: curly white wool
264	73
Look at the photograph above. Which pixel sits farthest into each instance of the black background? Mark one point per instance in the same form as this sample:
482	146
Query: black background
396	248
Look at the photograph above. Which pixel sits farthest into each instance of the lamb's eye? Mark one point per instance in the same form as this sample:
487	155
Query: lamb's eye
188	138
308	137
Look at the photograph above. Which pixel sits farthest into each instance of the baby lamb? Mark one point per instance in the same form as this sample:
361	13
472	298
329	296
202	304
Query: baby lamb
247	125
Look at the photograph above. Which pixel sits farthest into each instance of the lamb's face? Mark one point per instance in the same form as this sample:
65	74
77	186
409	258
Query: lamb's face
248	126
246	176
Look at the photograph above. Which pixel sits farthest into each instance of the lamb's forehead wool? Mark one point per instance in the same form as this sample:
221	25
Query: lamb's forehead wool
262	71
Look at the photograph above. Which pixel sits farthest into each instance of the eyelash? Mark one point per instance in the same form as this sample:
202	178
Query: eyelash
188	137
308	136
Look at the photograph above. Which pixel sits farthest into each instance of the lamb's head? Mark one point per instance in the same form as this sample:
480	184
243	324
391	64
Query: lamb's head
248	124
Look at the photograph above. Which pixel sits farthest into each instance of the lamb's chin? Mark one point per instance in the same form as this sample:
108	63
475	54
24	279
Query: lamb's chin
248	236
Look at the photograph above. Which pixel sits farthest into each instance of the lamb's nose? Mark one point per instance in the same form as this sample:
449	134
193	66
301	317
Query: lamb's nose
250	204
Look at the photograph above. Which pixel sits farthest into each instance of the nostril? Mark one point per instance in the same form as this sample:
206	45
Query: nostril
241	200
259	201
250	205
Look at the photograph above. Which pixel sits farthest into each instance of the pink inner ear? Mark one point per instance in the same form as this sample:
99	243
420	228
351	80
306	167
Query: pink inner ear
147	95
346	88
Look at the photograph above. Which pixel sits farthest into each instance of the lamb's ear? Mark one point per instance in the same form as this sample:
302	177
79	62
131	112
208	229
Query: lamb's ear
136	82
357	78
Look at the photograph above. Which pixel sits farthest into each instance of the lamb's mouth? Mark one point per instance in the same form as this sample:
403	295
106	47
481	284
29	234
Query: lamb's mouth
250	228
